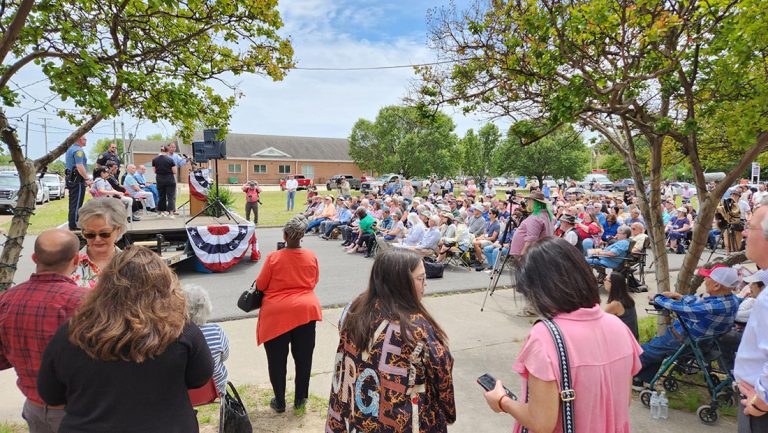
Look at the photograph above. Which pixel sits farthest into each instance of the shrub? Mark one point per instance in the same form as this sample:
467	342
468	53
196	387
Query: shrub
225	197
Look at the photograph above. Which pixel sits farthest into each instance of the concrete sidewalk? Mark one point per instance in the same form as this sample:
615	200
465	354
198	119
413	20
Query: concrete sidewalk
481	342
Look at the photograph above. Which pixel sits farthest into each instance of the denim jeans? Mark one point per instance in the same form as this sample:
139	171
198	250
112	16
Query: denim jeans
654	353
290	201
492	253
314	223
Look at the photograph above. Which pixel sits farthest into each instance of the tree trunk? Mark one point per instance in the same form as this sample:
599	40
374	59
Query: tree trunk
655	224
698	243
25	206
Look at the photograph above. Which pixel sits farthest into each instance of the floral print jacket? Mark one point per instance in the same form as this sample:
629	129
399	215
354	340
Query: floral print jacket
87	273
393	386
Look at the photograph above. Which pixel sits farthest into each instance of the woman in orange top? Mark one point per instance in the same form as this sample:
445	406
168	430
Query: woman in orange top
289	312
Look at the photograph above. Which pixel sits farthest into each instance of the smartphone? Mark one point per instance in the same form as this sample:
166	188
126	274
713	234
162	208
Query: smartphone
488	382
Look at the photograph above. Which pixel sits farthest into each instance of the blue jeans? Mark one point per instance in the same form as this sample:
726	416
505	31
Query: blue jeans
314	223
587	244
605	262
492	253
654	353
291	198
153	189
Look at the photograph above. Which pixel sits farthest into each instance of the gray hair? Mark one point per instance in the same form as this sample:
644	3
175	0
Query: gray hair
198	303
113	211
626	231
293	230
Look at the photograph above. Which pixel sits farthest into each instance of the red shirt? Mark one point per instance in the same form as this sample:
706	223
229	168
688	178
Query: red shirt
288	279
252	194
30	314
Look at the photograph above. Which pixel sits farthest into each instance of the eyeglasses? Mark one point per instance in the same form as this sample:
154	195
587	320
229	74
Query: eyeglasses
103	235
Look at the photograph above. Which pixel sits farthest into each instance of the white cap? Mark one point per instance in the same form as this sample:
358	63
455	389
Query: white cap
728	277
758	277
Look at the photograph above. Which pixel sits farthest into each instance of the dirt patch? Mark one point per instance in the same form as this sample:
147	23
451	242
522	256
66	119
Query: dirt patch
264	419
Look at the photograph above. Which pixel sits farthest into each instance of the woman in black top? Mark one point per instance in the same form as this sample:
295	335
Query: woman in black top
165	176
620	302
125	360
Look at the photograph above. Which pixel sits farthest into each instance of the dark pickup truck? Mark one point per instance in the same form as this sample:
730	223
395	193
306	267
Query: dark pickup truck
335	181
304	182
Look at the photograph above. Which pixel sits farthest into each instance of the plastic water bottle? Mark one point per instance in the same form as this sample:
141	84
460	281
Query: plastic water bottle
655	405
663	406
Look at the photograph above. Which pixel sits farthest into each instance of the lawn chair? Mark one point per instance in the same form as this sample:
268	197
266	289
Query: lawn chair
205	395
457	257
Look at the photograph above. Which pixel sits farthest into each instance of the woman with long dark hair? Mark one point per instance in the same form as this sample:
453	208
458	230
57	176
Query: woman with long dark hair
393	370
620	302
602	354
125	360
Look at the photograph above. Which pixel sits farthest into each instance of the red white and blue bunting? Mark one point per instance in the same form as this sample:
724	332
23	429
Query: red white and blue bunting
220	247
199	183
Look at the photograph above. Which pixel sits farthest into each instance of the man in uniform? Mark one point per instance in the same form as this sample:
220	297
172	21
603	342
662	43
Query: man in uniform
76	178
110	155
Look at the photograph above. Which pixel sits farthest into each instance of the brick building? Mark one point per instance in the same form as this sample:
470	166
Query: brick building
266	158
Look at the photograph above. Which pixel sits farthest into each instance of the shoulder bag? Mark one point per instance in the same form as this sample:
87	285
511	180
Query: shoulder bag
250	299
233	416
567	393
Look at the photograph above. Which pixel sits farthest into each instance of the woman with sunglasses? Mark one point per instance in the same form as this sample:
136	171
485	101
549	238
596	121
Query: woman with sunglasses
102	222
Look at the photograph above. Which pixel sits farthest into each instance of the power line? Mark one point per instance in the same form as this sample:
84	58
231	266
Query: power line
371	68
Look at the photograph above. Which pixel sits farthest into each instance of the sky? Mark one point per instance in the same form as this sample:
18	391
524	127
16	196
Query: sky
324	33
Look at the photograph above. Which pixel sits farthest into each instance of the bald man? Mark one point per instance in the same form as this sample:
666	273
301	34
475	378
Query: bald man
133	188
30	314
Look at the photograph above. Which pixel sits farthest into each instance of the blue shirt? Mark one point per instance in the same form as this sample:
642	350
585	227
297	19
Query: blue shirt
387	223
179	160
707	316
219	346
620	249
344	215
492	227
75	155
430	239
139	178
129	182
609	231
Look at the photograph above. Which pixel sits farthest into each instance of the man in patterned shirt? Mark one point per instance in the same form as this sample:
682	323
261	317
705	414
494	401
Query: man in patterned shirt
30	314
706	316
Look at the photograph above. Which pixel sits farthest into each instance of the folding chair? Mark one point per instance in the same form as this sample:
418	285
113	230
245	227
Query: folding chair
457	257
205	395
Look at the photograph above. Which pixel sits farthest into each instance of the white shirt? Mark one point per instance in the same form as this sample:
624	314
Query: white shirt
571	237
752	356
291	184
758	197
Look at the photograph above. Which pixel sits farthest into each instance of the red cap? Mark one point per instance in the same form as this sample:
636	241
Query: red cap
707	272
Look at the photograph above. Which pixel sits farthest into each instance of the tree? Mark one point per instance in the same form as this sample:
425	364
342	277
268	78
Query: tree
469	149
101	145
158	137
689	73
153	60
562	155
405	140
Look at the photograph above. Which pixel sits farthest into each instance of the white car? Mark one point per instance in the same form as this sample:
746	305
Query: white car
43	195
55	185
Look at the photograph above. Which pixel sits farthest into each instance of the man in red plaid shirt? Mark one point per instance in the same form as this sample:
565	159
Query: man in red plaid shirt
30	314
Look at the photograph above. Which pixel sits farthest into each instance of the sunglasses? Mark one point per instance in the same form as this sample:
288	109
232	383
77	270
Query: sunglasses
92	235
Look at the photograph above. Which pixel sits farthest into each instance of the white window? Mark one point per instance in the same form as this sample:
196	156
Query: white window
259	168
234	168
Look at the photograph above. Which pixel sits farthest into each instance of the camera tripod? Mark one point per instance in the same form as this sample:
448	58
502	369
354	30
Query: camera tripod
501	260
720	240
216	204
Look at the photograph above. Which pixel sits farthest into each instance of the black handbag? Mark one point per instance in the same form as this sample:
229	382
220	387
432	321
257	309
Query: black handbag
432	268
233	416
250	299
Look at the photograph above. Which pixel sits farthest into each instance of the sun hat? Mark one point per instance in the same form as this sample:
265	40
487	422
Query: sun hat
721	274
478	207
539	197
569	219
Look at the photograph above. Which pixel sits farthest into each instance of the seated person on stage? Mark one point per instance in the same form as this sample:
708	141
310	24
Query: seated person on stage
327	212
342	217
707	316
102	188
676	230
134	190
146	186
612	255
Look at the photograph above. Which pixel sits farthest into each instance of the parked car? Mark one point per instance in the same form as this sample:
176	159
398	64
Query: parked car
335	181
500	181
55	185
677	187
369	184
304	182
623	184
592	180
9	191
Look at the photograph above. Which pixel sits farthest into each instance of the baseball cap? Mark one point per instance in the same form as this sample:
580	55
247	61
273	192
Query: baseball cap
721	274
758	277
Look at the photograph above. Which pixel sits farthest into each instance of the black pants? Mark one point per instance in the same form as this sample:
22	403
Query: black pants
751	424
302	344
76	197
166	191
252	206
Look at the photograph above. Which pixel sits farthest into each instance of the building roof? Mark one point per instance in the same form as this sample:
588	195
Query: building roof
242	146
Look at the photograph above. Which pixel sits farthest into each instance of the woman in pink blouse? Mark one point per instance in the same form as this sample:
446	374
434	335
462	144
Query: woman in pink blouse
602	353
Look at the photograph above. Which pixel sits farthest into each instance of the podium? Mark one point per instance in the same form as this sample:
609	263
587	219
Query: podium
196	205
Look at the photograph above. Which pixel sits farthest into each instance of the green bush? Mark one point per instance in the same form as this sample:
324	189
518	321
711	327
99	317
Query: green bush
647	328
225	197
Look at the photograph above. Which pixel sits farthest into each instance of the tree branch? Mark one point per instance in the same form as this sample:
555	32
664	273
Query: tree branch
18	23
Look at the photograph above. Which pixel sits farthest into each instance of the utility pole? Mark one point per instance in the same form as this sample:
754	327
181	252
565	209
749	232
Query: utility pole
45	132
26	140
125	151
114	131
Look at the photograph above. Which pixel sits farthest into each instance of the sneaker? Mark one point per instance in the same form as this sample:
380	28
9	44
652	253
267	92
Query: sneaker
135	218
298	405
637	384
279	408
479	267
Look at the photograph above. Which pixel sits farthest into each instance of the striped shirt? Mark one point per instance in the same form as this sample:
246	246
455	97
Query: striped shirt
219	346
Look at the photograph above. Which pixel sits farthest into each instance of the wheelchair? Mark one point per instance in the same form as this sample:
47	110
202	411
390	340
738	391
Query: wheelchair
695	356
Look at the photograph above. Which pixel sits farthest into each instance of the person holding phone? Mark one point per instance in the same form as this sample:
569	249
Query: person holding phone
393	370
603	355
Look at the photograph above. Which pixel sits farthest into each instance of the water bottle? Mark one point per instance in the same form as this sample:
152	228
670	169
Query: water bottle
663	406
655	405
